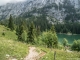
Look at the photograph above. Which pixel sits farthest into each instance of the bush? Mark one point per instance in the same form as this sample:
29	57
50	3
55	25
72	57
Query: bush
60	46
49	39
65	42
76	45
3	34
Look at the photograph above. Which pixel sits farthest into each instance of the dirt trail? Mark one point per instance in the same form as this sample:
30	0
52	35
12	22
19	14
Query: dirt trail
33	54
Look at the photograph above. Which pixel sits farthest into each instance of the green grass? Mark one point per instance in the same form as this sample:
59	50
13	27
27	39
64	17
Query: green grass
15	49
8	34
10	47
60	54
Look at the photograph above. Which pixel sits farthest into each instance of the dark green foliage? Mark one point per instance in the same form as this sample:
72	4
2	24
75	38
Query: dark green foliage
76	45
52	29
11	24
4	22
38	31
3	34
64	30
40	21
30	38
19	31
73	28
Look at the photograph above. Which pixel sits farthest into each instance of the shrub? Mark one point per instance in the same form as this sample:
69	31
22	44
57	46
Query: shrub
49	39
76	45
3	34
65	42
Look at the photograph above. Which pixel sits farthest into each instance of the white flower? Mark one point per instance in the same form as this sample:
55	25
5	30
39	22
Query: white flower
7	55
14	59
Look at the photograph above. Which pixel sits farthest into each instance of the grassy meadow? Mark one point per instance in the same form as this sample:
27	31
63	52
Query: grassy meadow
60	54
10	48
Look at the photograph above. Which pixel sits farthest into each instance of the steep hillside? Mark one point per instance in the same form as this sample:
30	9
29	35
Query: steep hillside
10	48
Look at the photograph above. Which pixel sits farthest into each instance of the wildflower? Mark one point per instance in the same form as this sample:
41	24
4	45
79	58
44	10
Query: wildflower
7	55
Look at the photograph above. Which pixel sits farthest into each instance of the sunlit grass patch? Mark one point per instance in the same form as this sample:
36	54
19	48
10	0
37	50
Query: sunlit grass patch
60	54
12	49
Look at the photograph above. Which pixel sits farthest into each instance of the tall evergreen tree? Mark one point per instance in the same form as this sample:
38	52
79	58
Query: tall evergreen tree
30	38
11	24
52	29
19	31
38	31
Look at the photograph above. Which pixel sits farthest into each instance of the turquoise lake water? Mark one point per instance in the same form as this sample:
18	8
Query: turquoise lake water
70	38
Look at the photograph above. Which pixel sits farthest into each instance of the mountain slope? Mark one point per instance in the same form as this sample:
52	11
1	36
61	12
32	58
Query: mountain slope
59	9
10	48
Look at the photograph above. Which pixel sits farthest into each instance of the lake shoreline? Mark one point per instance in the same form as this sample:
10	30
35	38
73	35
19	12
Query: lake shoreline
69	37
68	33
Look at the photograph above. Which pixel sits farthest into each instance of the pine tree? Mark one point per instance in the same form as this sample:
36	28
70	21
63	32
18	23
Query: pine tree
19	31
30	38
52	29
38	31
11	24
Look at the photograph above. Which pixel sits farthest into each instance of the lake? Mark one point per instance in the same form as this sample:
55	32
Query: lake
70	38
